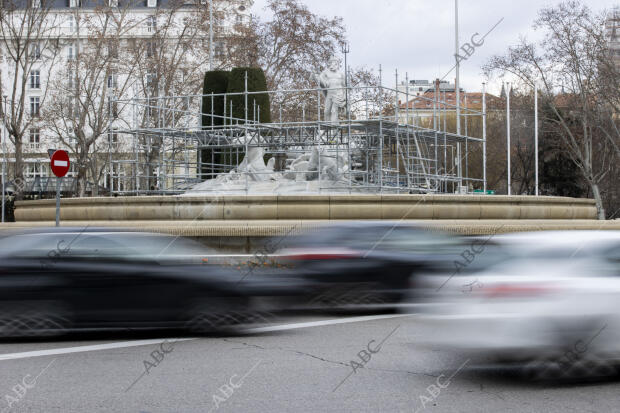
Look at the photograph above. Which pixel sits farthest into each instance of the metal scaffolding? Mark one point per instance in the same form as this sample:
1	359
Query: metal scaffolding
387	147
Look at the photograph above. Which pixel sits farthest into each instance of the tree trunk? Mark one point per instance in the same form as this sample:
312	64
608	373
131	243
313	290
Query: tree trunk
20	184
96	177
82	174
152	159
599	200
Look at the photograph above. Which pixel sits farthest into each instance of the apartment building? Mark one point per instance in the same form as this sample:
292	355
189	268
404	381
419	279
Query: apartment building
84	55
417	88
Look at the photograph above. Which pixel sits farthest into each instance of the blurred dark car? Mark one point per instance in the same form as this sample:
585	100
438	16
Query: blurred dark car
57	280
361	265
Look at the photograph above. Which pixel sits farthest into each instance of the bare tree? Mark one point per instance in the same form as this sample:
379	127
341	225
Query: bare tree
170	66
290	47
29	39
82	105
568	63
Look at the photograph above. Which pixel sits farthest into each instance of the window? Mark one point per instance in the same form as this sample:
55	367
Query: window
35	106
34	170
35	51
112	108
75	3
36	4
113	137
151	24
35	79
35	138
113	3
113	50
71	52
112	81
151	49
151	105
73	108
151	3
151	80
71	23
239	19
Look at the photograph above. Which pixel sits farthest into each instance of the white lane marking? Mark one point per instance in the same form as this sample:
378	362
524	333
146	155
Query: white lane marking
81	349
137	343
295	326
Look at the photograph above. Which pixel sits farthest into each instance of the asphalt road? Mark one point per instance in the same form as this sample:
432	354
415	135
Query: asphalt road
361	364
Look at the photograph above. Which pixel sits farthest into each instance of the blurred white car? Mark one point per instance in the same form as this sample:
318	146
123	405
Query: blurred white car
555	297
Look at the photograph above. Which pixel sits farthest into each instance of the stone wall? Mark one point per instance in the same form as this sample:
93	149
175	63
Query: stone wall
310	207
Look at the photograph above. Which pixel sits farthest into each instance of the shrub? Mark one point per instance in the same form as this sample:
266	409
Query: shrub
215	82
256	83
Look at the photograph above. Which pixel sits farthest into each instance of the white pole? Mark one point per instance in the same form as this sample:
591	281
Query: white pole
4	155
536	134
484	136
458	67
508	134
210	35
58	184
3	169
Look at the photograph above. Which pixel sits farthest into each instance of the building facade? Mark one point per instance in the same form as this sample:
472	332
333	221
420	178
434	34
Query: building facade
65	65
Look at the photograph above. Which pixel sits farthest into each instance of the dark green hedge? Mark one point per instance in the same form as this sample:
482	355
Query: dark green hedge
256	83
215	82
220	81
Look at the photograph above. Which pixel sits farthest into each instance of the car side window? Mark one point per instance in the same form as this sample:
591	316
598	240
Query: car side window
97	247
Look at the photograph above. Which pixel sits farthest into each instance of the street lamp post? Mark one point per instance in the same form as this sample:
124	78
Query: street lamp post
458	67
4	158
345	50
211	35
509	90
536	135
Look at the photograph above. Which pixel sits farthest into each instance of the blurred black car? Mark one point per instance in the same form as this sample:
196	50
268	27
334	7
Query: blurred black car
58	280
368	264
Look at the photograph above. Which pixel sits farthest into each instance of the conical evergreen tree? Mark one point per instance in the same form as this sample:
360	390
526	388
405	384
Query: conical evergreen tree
216	82
257	82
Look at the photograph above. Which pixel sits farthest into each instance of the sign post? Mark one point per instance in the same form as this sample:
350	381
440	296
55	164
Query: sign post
59	163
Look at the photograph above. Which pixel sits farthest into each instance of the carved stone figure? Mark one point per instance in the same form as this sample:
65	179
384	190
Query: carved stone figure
254	164
301	175
332	166
334	83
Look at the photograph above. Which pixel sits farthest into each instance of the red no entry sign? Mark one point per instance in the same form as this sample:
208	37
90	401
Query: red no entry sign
60	163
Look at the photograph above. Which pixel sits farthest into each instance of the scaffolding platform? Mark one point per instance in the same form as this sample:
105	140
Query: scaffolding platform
383	150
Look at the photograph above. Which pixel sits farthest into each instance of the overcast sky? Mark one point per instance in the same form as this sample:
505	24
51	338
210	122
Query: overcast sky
417	36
